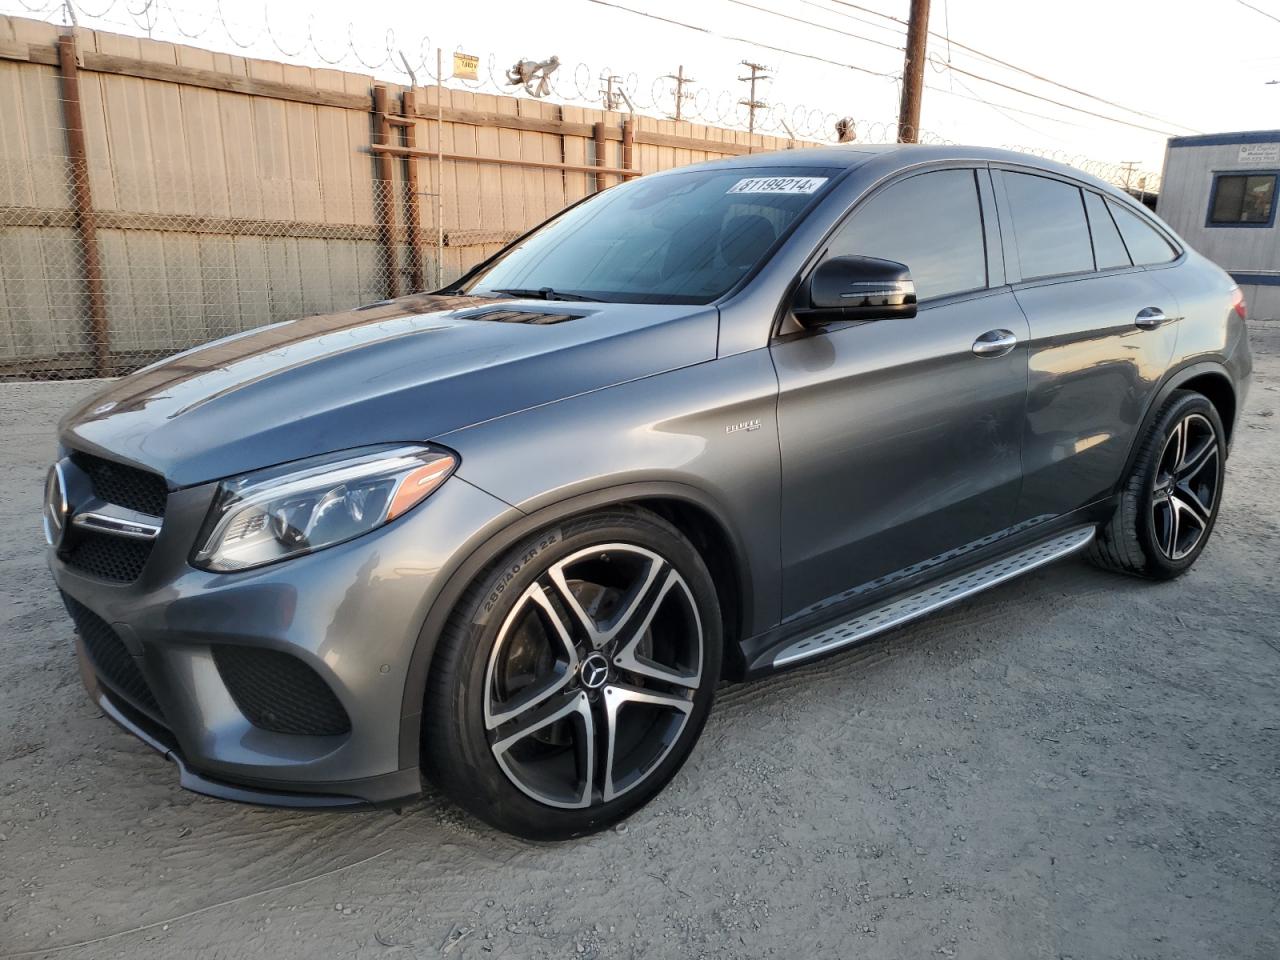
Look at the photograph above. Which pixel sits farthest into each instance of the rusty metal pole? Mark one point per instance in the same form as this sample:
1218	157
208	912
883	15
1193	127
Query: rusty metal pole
913	73
384	188
409	109
601	150
82	199
439	168
629	144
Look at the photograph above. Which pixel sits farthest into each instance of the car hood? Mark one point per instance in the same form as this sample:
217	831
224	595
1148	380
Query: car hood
403	370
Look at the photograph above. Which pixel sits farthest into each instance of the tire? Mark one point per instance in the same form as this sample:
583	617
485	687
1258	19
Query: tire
575	676
1169	501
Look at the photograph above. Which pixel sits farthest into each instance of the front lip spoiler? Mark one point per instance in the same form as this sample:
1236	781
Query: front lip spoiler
199	783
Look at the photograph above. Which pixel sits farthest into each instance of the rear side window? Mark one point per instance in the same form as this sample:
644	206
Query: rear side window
1145	243
1108	248
932	223
1049	226
1242	199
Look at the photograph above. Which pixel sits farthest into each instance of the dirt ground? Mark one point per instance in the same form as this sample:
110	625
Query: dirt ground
1072	765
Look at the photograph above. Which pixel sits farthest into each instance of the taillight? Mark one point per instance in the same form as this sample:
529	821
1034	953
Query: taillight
1238	304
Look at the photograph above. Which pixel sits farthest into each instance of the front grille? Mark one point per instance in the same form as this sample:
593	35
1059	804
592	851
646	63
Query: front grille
123	485
280	693
106	556
114	664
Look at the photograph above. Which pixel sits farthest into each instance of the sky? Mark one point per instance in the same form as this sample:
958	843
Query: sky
1166	68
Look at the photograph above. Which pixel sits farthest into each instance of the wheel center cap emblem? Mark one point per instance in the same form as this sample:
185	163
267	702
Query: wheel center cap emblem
594	671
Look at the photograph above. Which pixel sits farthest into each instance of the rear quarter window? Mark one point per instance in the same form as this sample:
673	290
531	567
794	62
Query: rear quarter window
1146	245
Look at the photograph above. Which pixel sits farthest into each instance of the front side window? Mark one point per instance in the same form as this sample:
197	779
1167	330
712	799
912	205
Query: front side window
930	222
1241	199
1049	226
684	237
1145	243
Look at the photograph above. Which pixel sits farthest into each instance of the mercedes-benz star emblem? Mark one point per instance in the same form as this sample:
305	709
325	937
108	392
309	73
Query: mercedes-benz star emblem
55	506
594	671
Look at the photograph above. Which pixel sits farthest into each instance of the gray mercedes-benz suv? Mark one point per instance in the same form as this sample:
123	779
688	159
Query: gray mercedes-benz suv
706	424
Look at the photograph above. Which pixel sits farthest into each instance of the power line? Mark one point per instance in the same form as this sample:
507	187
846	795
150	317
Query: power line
1023	70
753	43
861	69
821	26
1000	107
1059	103
1265	13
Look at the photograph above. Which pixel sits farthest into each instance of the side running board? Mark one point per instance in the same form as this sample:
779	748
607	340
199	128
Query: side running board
933	597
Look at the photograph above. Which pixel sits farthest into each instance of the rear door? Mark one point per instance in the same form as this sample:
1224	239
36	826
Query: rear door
899	441
1098	343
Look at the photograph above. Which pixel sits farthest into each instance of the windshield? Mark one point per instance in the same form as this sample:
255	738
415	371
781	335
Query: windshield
679	238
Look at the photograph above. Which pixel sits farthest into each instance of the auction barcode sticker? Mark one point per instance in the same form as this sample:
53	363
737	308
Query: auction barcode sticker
778	185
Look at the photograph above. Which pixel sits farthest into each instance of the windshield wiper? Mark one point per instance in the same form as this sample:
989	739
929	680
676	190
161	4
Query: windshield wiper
546	293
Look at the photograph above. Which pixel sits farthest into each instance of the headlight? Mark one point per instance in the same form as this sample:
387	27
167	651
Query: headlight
305	506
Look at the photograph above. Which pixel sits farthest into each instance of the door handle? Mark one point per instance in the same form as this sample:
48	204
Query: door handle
1149	318
994	343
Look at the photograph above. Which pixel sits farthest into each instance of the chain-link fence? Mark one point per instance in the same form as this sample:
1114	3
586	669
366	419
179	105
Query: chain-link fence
154	197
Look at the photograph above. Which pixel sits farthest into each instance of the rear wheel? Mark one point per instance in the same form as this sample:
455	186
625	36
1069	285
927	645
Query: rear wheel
575	676
1169	502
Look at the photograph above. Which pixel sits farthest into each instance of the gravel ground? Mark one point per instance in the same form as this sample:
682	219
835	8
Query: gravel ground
1071	765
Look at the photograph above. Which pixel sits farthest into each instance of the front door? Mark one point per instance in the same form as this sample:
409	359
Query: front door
900	438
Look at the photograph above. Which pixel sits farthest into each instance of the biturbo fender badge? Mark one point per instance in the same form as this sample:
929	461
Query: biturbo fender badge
744	425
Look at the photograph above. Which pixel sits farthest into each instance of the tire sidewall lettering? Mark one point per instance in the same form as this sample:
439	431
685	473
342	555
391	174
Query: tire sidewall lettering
508	576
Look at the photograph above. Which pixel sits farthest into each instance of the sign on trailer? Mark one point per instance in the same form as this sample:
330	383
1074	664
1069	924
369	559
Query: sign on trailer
1259	153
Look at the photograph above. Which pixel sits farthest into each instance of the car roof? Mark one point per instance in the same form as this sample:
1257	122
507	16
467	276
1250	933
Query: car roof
900	156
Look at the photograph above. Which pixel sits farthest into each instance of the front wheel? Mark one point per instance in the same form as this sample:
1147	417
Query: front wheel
575	676
1169	502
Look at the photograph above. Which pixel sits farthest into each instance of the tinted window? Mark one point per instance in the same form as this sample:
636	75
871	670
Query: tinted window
1108	248
684	237
1243	198
930	222
1144	242
1049	227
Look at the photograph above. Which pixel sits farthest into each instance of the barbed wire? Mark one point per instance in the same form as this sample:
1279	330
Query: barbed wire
578	84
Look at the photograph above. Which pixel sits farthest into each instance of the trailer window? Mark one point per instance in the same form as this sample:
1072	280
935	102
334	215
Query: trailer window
1242	200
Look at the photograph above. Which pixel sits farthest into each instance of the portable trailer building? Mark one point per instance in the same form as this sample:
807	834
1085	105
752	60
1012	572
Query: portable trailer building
1219	192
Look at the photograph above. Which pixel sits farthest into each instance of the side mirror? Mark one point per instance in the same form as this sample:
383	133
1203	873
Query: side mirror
857	288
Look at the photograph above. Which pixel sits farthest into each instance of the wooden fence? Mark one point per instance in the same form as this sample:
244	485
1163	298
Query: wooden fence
155	196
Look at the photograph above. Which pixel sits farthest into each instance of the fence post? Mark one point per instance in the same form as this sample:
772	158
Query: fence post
629	143
384	190
601	150
409	109
82	199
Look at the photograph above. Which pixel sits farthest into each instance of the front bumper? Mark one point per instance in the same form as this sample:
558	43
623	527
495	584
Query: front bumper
351	613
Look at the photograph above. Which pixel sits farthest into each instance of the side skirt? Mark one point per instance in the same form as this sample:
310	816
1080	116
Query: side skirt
926	599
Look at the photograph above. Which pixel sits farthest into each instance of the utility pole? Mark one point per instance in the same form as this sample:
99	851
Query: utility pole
1129	167
680	80
758	72
611	99
913	72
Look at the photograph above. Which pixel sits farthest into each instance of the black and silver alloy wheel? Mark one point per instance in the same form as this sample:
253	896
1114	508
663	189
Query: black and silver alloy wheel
575	676
591	680
1168	502
1185	491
